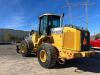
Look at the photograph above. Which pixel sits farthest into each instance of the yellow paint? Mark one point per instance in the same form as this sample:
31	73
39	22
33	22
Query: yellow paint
68	54
57	41
71	38
67	43
35	37
43	56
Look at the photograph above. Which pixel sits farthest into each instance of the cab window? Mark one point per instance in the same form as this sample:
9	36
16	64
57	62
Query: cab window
43	24
54	21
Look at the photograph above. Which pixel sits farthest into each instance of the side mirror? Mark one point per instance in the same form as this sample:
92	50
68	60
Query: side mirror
63	15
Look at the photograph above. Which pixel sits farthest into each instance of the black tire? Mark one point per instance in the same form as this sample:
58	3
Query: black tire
26	52
17	48
51	55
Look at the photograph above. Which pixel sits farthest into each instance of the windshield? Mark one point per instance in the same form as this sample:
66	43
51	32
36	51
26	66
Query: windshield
54	21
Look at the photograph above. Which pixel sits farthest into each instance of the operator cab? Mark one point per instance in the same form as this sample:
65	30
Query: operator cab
48	21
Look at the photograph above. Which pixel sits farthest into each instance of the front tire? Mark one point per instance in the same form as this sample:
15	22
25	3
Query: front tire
47	55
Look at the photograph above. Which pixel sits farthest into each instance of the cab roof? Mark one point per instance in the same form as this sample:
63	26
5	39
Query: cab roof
46	14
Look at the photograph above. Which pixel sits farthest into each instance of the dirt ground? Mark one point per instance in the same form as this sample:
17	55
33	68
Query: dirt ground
12	63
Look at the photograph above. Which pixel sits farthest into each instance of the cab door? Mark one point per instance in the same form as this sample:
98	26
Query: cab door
43	25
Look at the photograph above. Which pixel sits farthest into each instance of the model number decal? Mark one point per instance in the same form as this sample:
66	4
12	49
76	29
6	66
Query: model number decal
56	30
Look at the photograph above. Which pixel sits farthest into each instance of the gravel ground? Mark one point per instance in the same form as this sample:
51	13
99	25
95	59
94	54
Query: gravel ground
12	63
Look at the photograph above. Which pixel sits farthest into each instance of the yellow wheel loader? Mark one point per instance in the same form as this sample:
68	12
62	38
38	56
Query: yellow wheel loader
56	43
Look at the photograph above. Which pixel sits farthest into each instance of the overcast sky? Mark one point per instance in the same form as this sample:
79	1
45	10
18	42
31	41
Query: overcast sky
23	14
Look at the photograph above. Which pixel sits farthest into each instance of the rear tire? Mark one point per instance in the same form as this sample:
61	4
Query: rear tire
24	49
51	55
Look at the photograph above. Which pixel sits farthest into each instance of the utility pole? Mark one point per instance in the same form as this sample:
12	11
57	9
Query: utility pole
86	5
69	5
86	12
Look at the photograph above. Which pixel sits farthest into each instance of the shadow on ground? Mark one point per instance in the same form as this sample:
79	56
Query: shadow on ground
91	64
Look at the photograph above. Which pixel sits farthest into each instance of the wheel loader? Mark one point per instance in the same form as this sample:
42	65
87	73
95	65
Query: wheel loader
55	42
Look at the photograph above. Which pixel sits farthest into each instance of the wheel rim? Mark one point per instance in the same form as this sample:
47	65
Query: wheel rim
43	56
23	48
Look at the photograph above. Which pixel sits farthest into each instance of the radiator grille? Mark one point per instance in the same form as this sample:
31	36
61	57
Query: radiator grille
69	40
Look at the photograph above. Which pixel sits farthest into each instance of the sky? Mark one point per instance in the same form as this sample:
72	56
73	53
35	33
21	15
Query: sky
23	14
